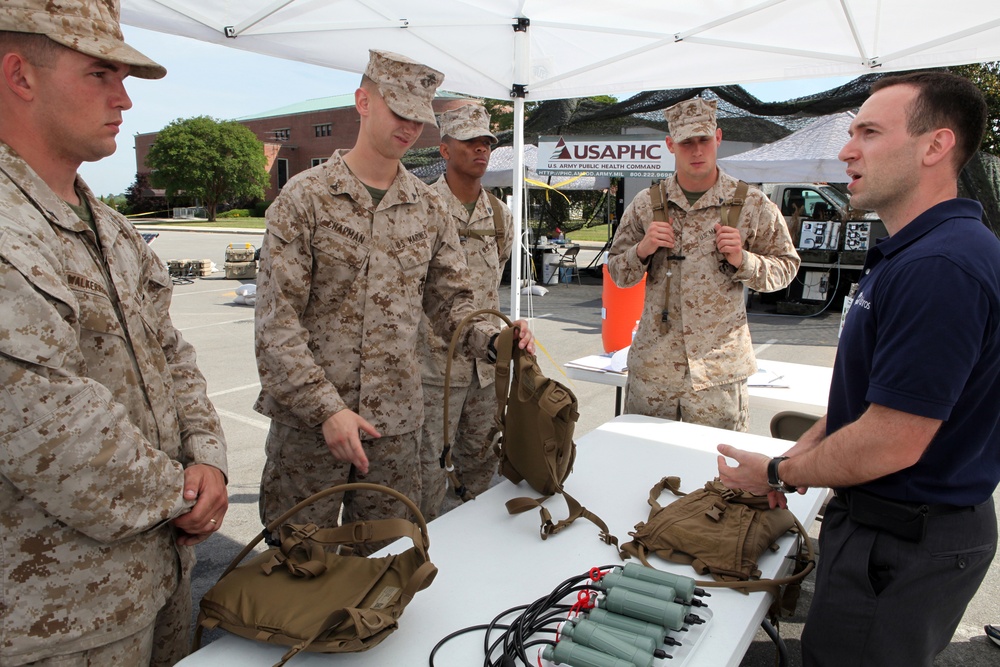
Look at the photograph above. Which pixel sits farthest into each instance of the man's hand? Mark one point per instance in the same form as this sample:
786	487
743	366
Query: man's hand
342	434
730	243
206	486
658	235
525	339
750	475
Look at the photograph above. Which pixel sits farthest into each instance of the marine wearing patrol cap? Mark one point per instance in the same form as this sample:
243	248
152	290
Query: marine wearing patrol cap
90	27
691	118
406	86
469	121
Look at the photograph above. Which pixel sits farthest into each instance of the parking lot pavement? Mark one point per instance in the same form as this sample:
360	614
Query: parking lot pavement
567	323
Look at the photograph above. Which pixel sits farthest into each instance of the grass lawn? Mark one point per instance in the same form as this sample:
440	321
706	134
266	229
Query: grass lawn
236	223
595	233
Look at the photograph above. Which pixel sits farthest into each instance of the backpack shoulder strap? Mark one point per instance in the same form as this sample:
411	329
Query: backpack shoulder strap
657	198
495	204
576	511
501	374
732	209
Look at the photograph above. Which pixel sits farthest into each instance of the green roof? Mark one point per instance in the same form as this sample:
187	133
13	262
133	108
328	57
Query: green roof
321	104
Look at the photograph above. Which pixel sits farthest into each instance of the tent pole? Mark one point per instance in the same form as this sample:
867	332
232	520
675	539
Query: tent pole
518	92
517	210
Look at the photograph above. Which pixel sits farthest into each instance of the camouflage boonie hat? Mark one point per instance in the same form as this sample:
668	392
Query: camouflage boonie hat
406	86
88	26
691	118
469	121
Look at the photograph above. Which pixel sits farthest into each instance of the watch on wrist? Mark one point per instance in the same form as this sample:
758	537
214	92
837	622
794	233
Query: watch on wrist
774	480
491	349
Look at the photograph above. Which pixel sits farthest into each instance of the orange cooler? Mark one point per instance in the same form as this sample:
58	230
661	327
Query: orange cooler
621	308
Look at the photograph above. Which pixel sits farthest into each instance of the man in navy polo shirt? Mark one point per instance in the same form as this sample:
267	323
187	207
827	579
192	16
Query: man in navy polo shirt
911	439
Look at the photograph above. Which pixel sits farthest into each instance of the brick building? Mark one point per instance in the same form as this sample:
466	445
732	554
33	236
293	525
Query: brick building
300	136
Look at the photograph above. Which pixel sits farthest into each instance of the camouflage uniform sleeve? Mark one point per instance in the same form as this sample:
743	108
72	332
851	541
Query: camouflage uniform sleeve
202	439
66	444
287	367
770	261
448	297
624	265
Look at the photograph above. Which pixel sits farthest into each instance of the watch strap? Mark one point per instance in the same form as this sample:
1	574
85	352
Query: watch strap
773	479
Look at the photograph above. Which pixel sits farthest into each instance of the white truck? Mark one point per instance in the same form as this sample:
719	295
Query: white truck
831	237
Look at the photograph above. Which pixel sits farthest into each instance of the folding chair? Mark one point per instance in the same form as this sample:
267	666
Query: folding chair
790	425
567	260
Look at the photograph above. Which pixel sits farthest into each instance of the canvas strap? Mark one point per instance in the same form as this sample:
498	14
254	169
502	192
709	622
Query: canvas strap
497	227
730	214
658	200
446	461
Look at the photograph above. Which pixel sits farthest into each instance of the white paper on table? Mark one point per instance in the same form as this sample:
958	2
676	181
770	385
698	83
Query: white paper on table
766	378
619	360
594	362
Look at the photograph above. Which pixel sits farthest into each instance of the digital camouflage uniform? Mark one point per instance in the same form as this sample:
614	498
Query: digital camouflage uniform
473	401
707	343
102	409
341	292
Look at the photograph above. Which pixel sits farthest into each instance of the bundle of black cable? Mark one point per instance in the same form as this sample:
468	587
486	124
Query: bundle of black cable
621	617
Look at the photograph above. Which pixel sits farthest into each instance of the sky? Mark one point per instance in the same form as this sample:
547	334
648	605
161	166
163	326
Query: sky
206	79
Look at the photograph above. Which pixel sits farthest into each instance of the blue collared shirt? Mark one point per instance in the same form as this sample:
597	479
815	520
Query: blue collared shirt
923	337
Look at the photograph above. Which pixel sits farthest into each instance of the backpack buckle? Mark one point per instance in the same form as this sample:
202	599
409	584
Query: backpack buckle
361	531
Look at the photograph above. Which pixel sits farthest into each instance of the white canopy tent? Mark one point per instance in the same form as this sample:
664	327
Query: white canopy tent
552	49
808	155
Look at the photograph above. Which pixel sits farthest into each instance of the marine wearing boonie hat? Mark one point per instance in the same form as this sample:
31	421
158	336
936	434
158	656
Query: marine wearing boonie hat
469	121
691	118
406	86
89	27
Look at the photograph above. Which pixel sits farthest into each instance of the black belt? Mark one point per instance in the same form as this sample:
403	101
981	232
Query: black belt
907	521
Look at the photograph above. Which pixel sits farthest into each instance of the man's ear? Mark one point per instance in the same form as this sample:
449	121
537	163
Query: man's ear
18	75
362	99
444	150
670	144
940	146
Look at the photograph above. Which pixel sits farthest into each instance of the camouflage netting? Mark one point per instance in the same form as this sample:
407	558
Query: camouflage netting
742	117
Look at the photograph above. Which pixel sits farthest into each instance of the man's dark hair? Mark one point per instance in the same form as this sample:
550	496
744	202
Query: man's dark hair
39	50
944	100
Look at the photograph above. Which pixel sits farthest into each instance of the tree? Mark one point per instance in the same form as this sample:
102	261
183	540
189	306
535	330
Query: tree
139	197
116	202
986	76
212	160
502	113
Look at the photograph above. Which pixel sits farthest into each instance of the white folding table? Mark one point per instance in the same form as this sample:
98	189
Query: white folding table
490	561
799	387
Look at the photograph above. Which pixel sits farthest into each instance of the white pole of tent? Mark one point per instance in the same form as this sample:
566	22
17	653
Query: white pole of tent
521	59
517	209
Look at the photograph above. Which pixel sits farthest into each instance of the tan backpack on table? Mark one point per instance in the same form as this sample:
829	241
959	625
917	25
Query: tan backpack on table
305	596
721	533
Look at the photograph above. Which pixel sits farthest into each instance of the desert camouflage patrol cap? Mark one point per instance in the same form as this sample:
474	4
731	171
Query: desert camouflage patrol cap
691	118
88	26
406	86
469	121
